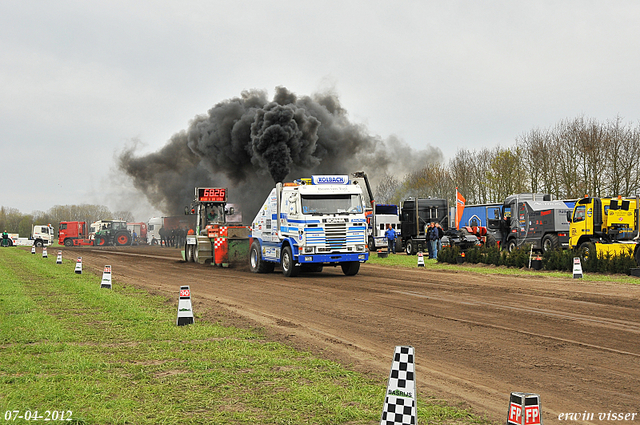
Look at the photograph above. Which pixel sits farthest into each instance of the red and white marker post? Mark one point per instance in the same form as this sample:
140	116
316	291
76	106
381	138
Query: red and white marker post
106	278
185	311
79	266
524	409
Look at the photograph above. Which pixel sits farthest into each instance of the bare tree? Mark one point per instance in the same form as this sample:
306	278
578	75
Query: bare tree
386	190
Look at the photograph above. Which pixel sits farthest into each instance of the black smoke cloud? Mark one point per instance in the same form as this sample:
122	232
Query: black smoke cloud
248	143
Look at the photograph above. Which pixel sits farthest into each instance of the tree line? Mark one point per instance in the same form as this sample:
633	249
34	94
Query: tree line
13	221
574	158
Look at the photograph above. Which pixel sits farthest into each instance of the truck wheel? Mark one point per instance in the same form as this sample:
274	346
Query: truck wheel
409	248
587	249
188	253
256	264
511	245
371	244
38	243
351	268
68	242
550	242
288	263
123	238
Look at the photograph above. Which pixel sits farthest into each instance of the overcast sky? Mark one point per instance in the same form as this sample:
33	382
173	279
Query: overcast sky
81	80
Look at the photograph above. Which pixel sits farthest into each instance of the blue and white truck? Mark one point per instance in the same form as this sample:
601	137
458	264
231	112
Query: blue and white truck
308	224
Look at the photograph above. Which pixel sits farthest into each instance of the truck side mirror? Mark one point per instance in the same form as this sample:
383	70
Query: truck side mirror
569	216
232	211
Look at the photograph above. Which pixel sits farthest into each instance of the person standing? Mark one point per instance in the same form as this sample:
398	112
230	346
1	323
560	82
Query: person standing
433	240
440	235
427	230
390	234
163	236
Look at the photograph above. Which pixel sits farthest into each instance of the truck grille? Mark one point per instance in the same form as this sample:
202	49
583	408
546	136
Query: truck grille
336	235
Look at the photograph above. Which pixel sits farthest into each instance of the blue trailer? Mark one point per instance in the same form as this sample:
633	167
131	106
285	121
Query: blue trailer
477	215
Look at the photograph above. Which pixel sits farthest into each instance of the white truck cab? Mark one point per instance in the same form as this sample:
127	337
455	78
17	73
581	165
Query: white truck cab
42	235
310	223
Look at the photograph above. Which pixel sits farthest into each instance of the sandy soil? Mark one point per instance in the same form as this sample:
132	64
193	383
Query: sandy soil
477	338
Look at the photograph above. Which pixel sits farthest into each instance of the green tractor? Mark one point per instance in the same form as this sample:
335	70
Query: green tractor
112	233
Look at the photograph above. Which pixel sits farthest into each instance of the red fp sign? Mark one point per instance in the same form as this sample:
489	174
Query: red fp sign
515	413
532	415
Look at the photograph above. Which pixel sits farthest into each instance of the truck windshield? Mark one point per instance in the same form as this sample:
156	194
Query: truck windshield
331	204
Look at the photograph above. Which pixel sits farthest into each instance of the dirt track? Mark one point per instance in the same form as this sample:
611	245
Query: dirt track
476	338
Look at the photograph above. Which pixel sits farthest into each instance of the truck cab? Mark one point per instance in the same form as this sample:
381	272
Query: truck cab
310	223
605	225
42	235
532	218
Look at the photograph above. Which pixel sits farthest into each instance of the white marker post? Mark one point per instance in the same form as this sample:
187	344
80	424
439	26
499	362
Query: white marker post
106	278
524	409
420	259
79	266
33	249
577	268
400	400
59	258
44	252
185	312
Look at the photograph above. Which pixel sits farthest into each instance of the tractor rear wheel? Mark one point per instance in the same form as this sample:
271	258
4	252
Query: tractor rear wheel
490	241
123	238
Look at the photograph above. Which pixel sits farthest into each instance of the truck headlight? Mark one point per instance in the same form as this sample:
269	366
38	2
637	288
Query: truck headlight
359	247
309	258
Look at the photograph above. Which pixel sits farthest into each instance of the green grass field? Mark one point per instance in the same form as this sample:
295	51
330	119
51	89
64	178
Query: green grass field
117	357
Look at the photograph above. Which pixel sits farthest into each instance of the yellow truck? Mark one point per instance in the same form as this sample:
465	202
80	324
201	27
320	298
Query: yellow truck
606	226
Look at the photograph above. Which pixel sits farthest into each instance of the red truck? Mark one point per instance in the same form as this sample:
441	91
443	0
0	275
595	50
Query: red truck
73	233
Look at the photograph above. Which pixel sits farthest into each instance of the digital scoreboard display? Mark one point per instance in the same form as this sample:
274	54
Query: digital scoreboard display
212	194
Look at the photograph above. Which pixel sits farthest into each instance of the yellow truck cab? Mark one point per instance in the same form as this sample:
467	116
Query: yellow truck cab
605	225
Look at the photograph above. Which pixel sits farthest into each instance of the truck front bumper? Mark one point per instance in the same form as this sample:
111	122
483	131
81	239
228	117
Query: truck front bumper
333	258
